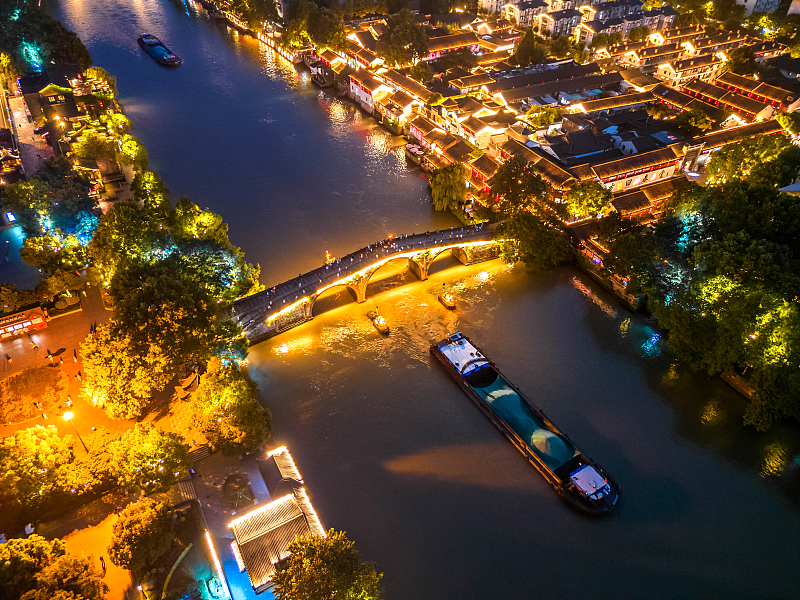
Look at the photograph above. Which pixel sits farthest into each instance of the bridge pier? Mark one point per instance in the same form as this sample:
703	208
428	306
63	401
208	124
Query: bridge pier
420	263
475	253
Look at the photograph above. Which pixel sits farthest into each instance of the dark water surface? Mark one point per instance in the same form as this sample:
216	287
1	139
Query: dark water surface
391	450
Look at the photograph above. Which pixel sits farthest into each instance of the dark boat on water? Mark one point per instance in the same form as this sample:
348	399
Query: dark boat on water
160	53
583	484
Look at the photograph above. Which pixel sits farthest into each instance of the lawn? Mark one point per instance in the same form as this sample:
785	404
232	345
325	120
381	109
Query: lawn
19	392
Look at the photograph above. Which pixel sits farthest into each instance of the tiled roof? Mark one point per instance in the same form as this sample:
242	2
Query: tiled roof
263	535
634	162
472	81
366	79
408	85
756	87
737	134
486	166
423	124
590	106
723	96
450	42
695	62
547	169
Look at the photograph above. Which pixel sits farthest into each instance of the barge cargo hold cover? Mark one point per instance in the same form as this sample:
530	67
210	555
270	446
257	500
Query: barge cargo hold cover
579	481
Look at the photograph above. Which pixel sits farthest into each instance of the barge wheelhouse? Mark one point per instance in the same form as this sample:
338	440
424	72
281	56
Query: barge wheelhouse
579	481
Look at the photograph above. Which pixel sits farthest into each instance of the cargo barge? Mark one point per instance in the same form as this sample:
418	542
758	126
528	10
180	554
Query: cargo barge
583	484
158	51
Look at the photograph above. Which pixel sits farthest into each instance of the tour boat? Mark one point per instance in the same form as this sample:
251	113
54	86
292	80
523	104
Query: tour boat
160	53
448	300
378	322
583	484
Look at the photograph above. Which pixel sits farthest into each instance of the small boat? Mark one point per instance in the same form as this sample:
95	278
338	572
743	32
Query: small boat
414	153
583	484
378	322
447	299
160	53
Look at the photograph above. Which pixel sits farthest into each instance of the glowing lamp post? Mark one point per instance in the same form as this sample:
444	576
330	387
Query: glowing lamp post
68	417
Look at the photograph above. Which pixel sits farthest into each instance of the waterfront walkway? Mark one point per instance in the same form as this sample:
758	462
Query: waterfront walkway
253	313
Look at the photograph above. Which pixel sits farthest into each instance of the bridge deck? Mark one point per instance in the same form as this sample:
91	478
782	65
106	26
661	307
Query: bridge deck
258	307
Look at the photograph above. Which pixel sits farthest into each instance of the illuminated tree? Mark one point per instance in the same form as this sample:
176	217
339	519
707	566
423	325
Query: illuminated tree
117	379
190	222
517	186
22	559
449	186
94	144
148	188
59	282
639	34
126	233
158	309
790	122
735	161
404	40
221	270
742	61
116	124
326	28
148	458
324	569
102	75
541	116
587	199
51	253
30	462
68	577
143	533
227	411
133	153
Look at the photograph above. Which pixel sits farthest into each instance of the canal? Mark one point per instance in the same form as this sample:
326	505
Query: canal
392	452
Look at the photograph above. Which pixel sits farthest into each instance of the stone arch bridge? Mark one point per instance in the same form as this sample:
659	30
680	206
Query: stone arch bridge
289	304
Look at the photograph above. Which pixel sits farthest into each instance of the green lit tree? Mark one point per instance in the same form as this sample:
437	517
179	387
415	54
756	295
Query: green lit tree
527	238
742	61
51	252
148	458
560	47
59	282
190	222
143	533
325	569
133	153
735	161
157	308
148	188
790	122
587	199
463	58
227	411
404	40
94	144
541	116
125	234
449	186
517	186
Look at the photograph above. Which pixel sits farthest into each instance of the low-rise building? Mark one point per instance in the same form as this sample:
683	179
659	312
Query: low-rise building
678	73
748	109
364	88
781	99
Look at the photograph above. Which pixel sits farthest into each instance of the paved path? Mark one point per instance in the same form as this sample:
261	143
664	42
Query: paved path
33	149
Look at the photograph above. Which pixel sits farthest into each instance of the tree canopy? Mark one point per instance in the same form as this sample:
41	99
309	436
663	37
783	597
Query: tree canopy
326	568
143	533
404	40
227	411
148	458
587	199
693	122
422	72
449	186
527	238
541	116
516	185
529	50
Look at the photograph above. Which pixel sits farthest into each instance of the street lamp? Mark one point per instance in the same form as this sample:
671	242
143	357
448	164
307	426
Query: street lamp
68	417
